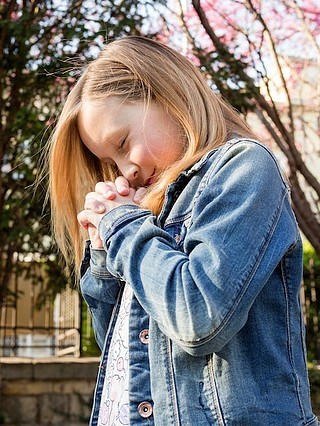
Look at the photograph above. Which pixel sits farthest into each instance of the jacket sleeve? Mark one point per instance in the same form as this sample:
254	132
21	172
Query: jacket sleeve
241	227
100	290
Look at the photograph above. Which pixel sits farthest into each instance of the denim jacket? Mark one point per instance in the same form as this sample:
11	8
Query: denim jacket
216	332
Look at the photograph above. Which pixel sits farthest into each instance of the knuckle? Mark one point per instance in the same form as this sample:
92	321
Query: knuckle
99	185
122	180
80	217
103	187
89	195
96	205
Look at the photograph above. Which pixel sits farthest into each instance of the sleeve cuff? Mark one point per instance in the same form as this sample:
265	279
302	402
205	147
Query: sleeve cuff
96	260
119	217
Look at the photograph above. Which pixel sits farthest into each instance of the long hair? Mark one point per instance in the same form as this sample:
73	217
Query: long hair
136	69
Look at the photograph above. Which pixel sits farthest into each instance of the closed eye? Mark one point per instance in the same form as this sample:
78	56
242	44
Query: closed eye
122	143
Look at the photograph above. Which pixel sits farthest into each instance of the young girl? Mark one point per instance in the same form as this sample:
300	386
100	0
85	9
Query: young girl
193	268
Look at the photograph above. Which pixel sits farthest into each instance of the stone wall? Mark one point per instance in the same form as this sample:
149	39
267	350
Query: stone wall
45	392
59	391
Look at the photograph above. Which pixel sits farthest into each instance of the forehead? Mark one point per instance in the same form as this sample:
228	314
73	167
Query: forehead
98	119
93	112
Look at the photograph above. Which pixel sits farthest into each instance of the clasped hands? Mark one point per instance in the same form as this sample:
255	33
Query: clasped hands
106	197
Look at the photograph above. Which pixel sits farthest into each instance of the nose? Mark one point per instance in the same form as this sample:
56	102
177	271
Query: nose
130	171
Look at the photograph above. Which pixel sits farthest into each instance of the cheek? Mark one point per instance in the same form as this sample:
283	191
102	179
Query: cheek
160	149
169	149
141	154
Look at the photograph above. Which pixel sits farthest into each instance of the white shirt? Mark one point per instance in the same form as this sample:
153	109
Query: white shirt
114	408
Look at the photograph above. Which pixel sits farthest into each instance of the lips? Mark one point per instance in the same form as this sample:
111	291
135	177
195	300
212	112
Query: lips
151	179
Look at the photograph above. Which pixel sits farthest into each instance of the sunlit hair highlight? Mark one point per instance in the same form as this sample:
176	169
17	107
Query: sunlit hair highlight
136	69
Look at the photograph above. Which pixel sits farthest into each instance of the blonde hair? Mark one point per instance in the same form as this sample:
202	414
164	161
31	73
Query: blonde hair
137	69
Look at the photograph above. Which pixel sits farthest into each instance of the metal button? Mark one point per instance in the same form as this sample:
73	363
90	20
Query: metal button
144	336
145	409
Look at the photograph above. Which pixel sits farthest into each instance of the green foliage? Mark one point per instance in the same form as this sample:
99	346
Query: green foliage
310	256
43	45
222	70
314	378
89	346
311	281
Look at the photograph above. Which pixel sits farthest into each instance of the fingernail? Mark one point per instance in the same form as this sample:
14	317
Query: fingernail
110	194
100	208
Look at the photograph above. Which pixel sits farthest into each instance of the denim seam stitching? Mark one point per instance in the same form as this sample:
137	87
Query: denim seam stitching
111	229
239	142
245	285
178	219
288	327
101	274
173	397
216	401
274	221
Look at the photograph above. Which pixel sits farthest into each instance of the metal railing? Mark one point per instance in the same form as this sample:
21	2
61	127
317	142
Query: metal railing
54	329
57	330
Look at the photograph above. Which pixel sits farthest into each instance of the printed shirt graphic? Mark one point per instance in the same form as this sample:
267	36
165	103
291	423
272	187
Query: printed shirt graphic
114	409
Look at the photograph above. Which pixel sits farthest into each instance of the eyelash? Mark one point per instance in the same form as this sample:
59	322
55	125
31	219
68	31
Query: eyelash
122	143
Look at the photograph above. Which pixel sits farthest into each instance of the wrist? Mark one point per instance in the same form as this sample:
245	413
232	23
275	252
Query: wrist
97	245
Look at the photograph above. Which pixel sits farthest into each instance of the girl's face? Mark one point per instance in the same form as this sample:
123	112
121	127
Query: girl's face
140	142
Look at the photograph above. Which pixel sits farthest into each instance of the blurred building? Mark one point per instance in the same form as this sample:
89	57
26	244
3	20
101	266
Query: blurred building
29	331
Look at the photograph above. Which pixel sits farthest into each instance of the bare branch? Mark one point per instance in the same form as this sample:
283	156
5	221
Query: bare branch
276	59
304	22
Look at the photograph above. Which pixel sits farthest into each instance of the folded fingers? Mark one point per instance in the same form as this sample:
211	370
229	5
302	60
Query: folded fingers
96	202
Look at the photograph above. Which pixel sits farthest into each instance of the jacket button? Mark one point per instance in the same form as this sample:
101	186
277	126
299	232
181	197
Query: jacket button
145	409
144	336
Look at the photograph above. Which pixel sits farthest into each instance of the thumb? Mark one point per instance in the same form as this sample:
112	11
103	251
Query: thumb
138	196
